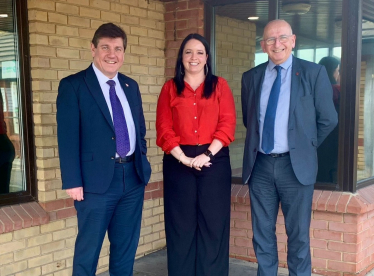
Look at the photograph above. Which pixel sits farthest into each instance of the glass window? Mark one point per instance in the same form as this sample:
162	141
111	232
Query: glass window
318	33
238	50
365	158
13	177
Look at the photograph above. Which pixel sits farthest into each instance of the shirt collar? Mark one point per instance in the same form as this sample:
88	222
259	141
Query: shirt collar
101	77
284	65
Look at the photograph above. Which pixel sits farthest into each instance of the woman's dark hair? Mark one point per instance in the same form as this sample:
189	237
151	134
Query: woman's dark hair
330	64
109	30
210	81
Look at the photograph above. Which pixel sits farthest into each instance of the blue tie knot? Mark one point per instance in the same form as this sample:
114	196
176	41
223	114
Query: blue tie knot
111	83
278	68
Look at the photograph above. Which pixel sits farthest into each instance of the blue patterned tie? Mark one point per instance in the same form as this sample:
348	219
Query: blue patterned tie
119	121
268	130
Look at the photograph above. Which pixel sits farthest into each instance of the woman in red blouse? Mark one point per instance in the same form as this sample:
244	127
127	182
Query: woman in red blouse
195	124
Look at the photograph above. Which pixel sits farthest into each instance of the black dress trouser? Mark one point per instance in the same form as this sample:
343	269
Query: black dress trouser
197	214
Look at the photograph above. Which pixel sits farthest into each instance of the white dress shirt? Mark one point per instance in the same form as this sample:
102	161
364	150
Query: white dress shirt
125	105
283	107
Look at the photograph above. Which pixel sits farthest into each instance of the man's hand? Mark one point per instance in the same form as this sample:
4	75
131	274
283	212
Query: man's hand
75	193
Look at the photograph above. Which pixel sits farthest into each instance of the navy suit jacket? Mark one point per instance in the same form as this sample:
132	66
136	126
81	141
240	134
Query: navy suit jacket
312	116
86	137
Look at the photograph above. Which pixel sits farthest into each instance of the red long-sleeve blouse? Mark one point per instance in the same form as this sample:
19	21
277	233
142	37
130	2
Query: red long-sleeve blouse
190	119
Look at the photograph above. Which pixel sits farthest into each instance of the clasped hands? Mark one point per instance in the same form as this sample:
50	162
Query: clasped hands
198	162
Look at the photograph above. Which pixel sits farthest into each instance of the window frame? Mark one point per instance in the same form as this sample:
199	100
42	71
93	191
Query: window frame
350	72
30	194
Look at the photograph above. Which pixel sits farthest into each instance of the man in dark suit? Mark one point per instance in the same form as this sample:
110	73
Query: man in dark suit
104	168
288	111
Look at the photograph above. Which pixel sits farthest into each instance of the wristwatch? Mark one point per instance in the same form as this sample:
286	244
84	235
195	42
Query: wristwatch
209	154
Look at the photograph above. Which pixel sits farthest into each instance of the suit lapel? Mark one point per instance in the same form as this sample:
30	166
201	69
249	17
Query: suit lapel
129	95
258	80
295	84
95	89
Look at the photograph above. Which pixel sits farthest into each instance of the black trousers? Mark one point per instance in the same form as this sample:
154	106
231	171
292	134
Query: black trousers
197	214
7	155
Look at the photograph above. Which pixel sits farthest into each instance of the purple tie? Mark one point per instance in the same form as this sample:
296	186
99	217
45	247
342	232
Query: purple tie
119	121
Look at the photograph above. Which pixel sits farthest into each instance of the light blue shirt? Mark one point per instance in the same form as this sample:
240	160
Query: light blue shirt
282	114
125	104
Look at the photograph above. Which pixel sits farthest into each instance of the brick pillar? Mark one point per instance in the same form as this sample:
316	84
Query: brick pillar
181	18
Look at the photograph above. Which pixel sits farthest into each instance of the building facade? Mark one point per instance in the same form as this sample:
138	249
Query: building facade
46	40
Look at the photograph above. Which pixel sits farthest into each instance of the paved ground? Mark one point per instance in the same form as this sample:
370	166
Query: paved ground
155	265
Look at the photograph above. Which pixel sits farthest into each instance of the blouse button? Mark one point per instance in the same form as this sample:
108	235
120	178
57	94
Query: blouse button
195	131
194	103
195	117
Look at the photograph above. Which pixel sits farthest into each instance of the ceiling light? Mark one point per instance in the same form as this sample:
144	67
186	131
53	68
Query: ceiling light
253	18
3	15
293	7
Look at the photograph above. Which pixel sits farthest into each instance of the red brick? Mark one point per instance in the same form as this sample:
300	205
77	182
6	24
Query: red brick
356	206
350	257
238	250
243	224
318	224
280	228
282	238
17	221
147	195
327	254
333	200
341	266
316	195
342	203
315	243
180	5
181	24
344	247
52	216
66	213
367	193
27	220
152	186
186	14
169	16
282	256
69	202
319	263
243	242
36	220
7	222
344	227
350	238
318	215
234	192
53	205
322	201
327	235
241	207
157	194
194	4
238	233
239	215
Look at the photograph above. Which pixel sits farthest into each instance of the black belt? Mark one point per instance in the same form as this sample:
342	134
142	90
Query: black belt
276	155
125	159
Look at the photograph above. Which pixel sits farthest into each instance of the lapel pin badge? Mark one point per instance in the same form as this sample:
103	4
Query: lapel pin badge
297	73
127	85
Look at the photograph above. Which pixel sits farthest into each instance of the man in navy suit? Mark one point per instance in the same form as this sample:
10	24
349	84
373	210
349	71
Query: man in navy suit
288	111
104	168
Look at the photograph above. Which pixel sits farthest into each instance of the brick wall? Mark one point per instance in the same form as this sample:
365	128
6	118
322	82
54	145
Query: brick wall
235	54
342	231
181	18
42	243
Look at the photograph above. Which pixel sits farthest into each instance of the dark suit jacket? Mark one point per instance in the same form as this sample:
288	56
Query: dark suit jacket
312	116
86	137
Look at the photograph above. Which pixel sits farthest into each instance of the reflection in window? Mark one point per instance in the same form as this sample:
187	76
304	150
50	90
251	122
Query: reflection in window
237	40
365	158
11	142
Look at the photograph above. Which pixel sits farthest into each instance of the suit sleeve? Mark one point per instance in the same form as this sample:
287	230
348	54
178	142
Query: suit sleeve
244	95
142	125
327	118
68	135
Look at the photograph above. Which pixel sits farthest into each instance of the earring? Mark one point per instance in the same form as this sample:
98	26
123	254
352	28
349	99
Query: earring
180	69
206	69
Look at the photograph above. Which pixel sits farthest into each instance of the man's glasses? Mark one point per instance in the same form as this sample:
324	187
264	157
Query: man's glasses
282	39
